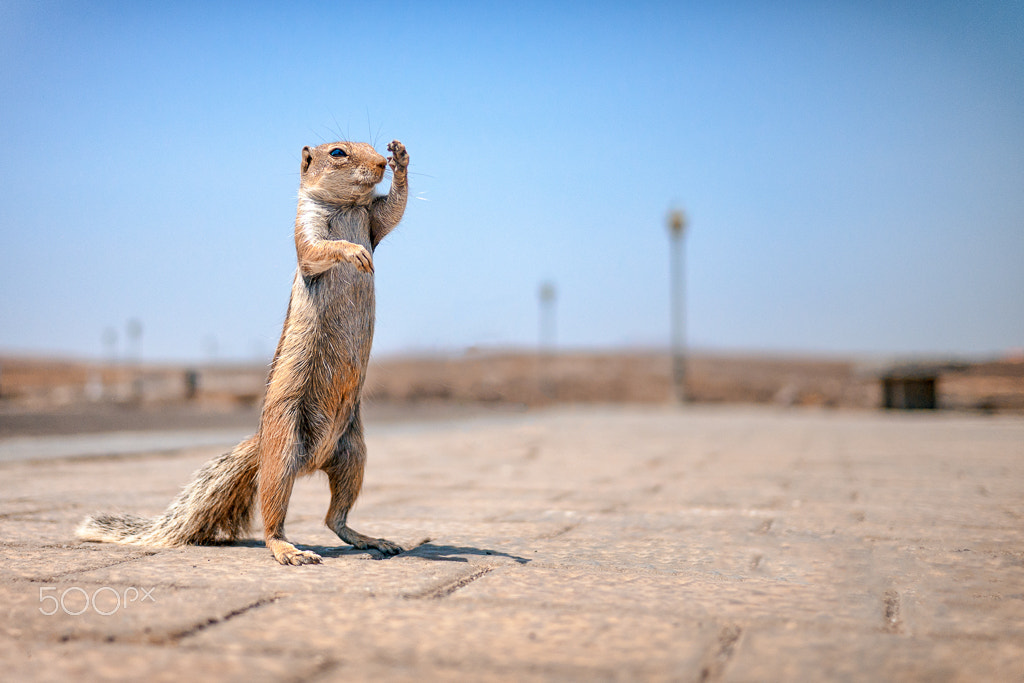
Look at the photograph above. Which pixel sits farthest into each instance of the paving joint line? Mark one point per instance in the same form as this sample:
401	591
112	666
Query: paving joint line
446	589
717	658
213	621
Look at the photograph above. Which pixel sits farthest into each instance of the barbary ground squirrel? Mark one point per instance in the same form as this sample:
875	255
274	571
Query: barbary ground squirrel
310	419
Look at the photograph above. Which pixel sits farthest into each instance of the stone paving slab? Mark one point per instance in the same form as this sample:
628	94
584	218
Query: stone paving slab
604	543
84	660
116	443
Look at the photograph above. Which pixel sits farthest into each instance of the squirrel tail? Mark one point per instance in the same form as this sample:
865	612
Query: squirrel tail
216	505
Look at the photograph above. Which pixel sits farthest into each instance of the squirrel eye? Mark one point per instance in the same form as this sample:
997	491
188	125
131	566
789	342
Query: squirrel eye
336	152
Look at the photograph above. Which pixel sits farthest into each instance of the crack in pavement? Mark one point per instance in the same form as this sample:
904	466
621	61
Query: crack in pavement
446	589
213	621
891	611
718	657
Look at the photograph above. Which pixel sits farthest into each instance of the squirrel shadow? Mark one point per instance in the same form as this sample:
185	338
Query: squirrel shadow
452	553
425	549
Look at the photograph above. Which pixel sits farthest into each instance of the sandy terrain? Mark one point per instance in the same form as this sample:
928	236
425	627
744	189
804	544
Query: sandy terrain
570	543
52	396
814	538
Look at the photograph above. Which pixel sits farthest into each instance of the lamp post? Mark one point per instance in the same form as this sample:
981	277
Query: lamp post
677	230
547	295
133	333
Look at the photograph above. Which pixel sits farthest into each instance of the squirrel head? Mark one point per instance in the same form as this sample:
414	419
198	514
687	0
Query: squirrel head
341	172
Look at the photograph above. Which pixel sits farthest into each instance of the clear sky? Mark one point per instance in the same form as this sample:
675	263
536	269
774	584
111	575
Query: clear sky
853	172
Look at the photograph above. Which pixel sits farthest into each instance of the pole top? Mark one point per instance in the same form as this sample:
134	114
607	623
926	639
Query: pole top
676	222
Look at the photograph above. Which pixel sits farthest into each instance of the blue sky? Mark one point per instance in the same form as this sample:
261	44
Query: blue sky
853	172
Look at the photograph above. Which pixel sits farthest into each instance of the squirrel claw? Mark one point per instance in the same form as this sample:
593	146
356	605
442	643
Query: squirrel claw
364	263
361	542
399	158
386	547
304	557
359	256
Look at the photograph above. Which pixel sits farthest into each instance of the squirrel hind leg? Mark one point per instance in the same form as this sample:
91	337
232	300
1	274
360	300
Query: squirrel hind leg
278	463
345	477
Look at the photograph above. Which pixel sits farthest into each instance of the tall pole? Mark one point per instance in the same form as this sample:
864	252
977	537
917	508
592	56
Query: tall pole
547	294
133	333
677	230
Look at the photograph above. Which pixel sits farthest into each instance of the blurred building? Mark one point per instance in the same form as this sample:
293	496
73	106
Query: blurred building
910	388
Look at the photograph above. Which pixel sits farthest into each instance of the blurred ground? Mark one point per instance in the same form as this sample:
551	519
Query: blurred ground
601	543
82	394
564	522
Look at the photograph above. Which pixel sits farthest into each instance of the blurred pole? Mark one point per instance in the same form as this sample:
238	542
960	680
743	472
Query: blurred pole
677	230
110	350
110	344
546	337
547	296
133	354
133	333
210	348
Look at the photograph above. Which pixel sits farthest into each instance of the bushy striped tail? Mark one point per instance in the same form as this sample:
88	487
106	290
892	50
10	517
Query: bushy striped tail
216	505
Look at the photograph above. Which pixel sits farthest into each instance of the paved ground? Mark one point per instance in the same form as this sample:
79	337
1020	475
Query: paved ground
700	544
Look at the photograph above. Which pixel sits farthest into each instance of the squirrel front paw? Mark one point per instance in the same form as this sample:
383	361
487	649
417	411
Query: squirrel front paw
356	254
286	553
399	159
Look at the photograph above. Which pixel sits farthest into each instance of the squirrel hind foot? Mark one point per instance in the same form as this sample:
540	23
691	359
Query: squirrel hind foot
386	547
362	542
287	554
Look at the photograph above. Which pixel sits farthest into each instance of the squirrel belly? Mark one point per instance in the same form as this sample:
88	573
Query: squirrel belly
311	413
320	365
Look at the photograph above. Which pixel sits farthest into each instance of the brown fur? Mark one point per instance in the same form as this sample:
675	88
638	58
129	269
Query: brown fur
310	417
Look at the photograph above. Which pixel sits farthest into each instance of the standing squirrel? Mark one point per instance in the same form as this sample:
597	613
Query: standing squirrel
310	419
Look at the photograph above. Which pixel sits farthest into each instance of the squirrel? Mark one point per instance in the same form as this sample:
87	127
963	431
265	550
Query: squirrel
311	414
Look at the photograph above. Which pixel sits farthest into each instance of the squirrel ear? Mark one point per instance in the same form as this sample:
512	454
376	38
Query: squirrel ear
307	158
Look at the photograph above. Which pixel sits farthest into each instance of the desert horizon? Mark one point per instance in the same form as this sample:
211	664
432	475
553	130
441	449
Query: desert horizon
510	376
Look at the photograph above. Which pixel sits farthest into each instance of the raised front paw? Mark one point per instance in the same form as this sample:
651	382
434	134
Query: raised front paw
357	254
399	159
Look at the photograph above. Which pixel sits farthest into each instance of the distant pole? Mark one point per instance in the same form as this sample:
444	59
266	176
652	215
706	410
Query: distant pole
677	230
210	347
110	344
133	332
547	296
